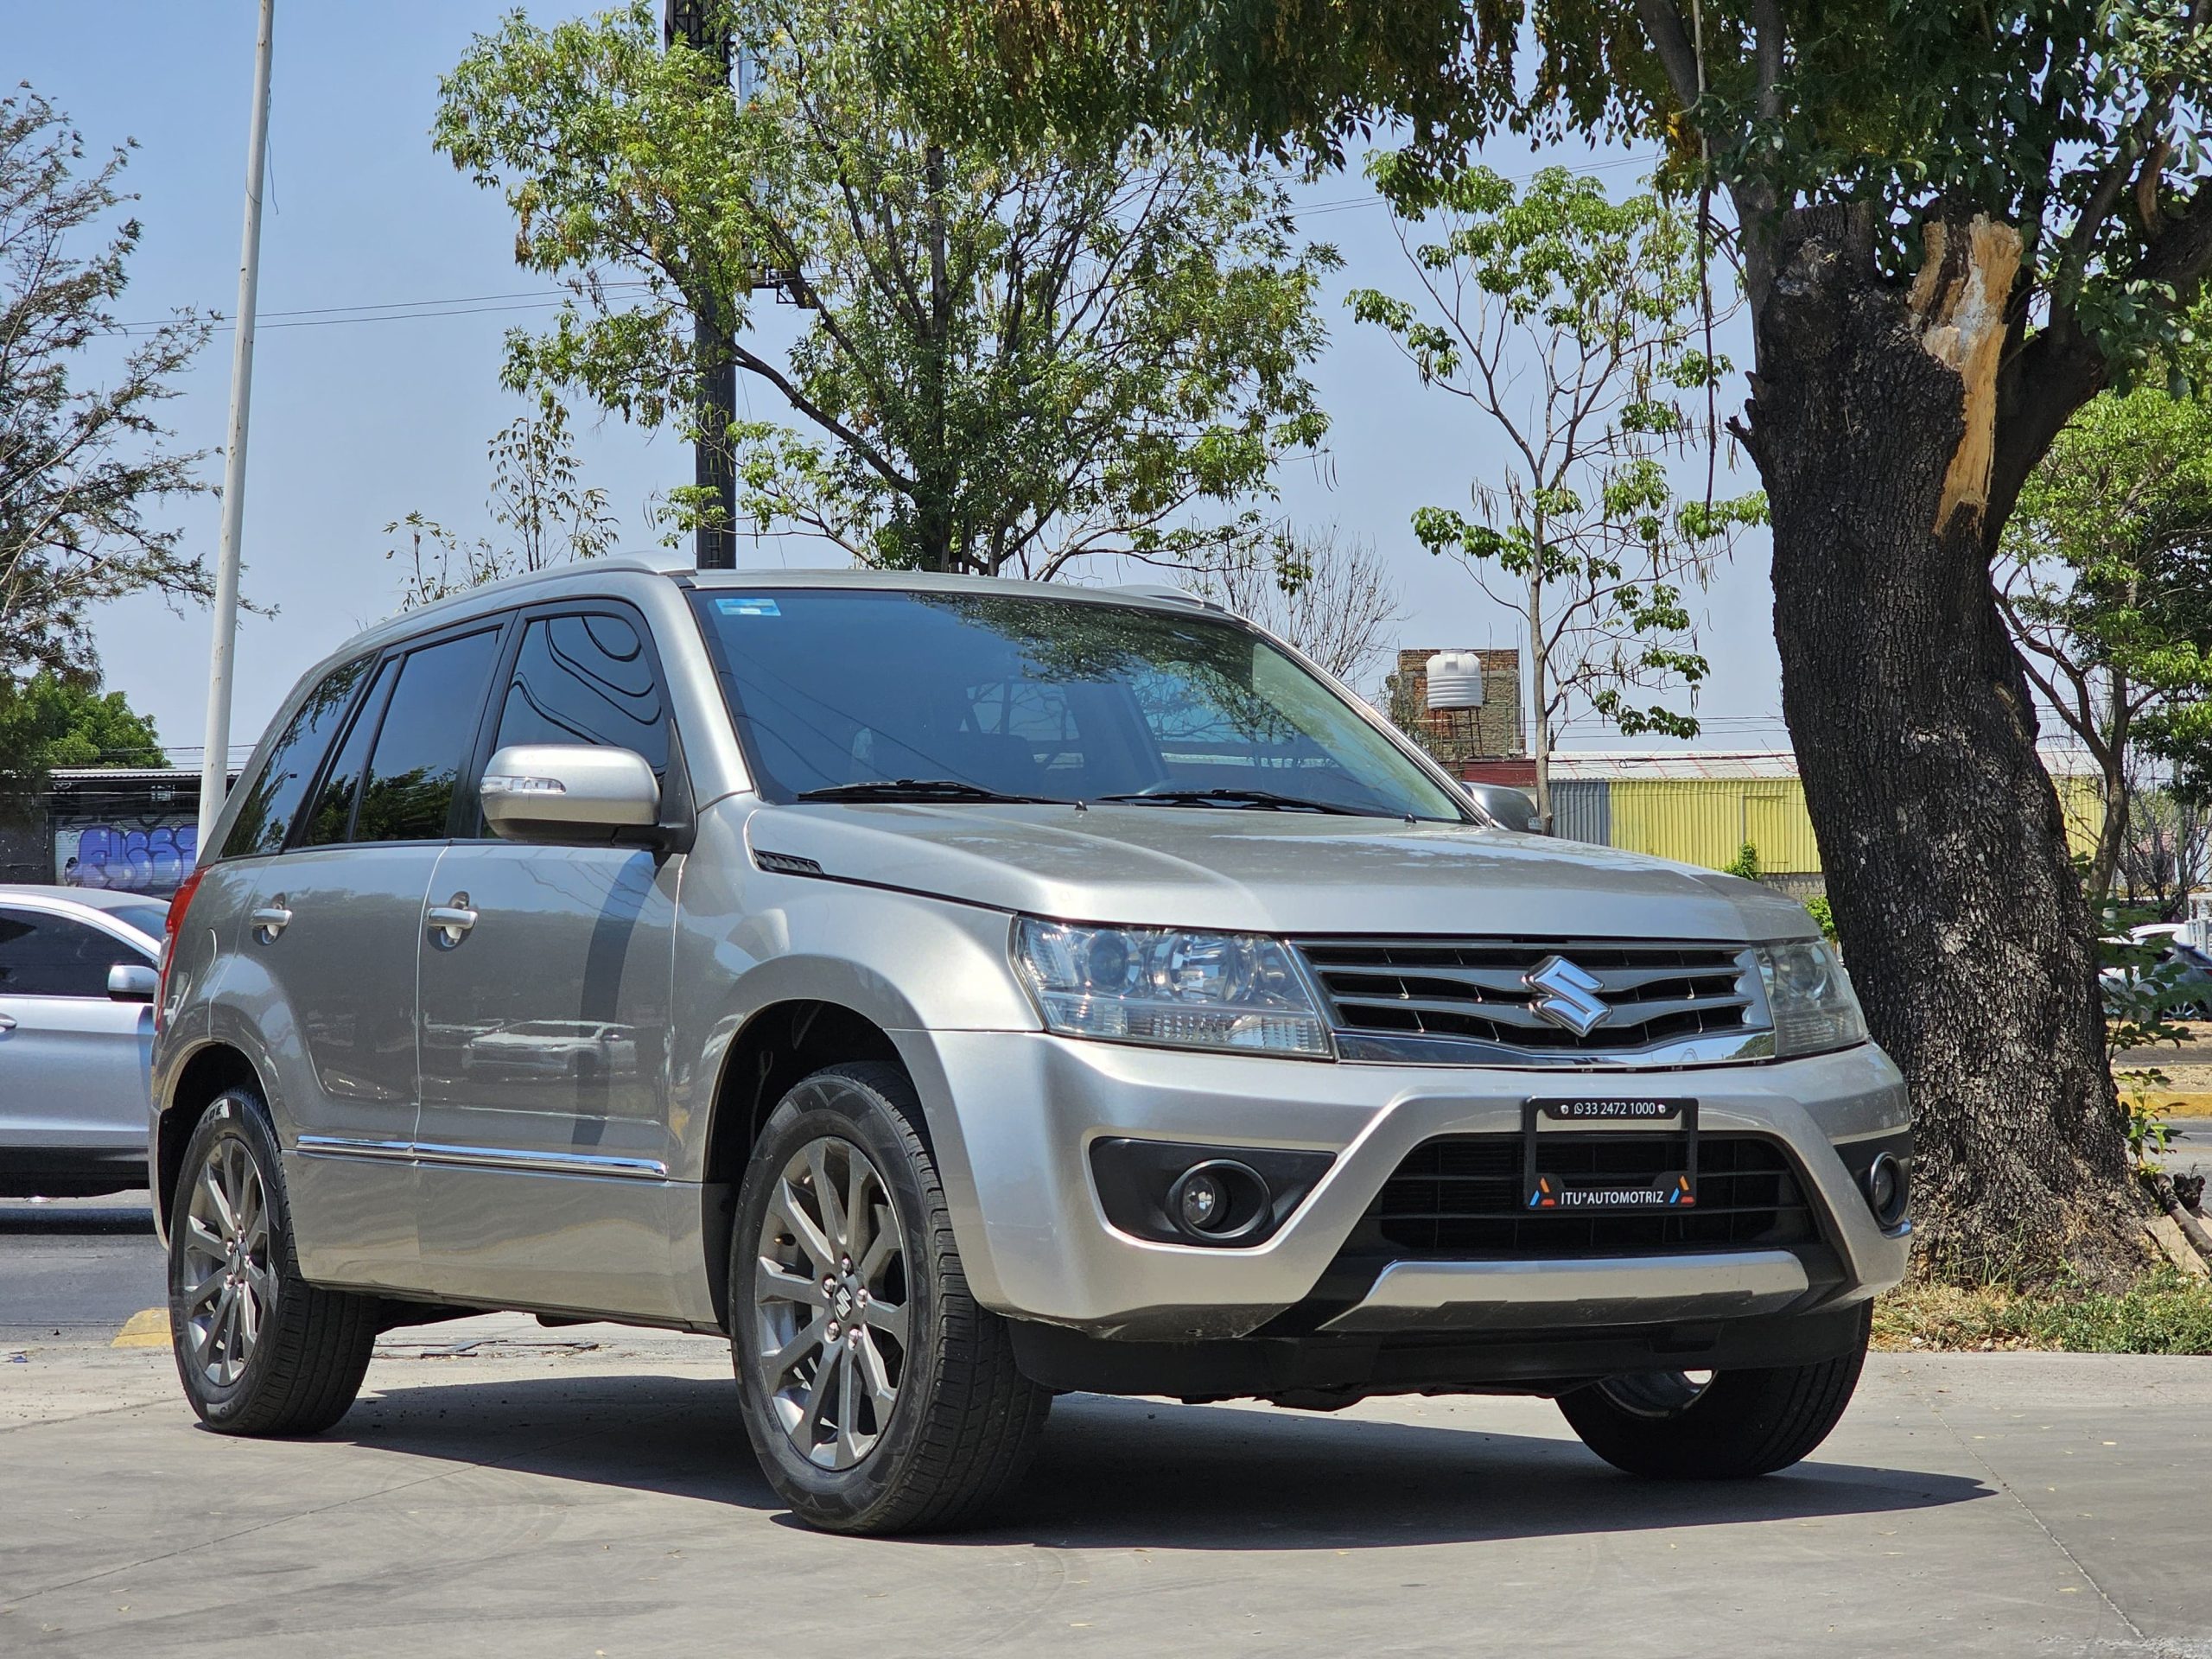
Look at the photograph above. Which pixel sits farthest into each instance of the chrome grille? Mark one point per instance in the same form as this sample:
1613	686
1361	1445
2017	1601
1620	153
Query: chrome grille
1473	998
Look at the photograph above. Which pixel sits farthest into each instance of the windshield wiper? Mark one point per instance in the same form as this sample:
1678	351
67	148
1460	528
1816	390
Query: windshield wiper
917	789
1266	800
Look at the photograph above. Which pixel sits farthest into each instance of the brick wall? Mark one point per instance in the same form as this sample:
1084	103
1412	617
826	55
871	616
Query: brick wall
1456	736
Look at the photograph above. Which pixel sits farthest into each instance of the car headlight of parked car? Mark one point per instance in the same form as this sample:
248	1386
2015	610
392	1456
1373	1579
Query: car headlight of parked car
1172	987
1810	997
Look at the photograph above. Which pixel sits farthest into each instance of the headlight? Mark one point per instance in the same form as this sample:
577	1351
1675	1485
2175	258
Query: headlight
1810	999
1165	986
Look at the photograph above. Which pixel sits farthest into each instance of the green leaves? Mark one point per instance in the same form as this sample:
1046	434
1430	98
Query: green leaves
1009	357
51	720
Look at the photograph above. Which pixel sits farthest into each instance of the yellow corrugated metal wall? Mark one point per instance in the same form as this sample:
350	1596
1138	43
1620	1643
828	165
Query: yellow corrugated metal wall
1707	820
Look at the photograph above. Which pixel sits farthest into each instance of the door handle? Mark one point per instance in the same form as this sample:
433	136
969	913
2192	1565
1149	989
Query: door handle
271	920
446	923
7	1022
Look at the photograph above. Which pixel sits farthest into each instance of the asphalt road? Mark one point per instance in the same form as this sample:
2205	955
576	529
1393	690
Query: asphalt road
76	1267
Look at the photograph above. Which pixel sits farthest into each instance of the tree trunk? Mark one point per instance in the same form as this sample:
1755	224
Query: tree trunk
1872	423
1539	694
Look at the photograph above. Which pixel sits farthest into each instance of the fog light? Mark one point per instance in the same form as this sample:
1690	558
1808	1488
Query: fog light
1889	1189
1202	1203
1219	1201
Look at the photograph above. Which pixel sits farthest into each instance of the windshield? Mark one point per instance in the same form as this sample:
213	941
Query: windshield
979	695
149	919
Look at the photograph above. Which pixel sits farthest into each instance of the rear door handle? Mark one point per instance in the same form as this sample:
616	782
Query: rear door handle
446	923
7	1022
271	920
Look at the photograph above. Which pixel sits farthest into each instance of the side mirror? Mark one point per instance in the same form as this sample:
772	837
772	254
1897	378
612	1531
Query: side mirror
569	792
130	982
1513	809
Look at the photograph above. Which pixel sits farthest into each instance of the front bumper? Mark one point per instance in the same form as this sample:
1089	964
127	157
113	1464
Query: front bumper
1012	1115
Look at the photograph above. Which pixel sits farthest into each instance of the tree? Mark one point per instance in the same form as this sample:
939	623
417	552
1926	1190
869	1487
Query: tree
49	720
2105	578
1008	363
78	465
1954	225
1328	594
2168	854
1568	323
537	497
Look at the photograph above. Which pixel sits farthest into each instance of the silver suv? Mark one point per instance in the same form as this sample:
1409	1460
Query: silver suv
958	992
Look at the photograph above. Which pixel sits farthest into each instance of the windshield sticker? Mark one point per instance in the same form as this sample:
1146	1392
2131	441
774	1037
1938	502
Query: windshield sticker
747	605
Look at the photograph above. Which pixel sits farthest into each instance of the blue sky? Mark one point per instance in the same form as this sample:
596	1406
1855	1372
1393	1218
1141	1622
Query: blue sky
356	423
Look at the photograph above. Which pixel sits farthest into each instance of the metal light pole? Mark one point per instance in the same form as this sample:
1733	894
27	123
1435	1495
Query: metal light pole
214	762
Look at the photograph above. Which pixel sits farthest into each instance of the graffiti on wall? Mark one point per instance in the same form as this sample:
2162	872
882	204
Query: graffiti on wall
150	853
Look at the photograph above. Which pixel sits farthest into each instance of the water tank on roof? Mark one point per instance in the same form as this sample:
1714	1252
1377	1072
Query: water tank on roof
1455	680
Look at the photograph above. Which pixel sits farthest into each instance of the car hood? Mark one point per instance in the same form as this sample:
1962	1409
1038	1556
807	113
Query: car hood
1271	872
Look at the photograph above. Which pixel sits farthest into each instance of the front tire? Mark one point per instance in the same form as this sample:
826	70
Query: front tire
259	1350
878	1395
1667	1426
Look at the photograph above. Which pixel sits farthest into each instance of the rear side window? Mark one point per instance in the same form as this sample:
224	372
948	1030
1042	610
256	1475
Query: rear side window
424	739
332	817
265	817
586	679
51	956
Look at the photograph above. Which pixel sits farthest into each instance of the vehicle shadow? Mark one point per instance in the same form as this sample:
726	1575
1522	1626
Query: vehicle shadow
1117	1473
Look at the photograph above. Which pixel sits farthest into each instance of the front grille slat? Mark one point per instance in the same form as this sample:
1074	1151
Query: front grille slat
1478	991
1460	1195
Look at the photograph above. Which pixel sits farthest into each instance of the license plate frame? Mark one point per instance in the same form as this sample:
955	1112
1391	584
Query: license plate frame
1670	1189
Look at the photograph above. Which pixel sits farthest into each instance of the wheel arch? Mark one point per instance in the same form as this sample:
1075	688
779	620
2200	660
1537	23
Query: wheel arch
203	1075
779	1044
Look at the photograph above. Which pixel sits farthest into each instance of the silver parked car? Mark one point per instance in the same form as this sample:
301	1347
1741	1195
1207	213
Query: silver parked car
76	1037
958	992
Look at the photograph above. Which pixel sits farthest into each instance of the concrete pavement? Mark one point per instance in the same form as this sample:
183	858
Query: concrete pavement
503	1489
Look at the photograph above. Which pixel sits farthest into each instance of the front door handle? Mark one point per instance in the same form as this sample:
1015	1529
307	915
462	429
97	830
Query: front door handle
271	920
7	1022
448	922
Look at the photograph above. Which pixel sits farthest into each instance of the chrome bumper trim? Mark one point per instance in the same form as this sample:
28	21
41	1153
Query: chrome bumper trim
1584	1290
541	1163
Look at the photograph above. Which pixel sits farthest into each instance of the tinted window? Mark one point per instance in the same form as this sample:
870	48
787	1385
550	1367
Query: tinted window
586	679
51	955
265	817
1063	699
428	730
332	817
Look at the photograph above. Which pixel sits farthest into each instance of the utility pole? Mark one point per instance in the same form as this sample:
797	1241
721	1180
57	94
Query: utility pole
215	759
694	23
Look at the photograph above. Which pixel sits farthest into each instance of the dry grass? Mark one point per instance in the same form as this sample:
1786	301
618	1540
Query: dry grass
2160	1313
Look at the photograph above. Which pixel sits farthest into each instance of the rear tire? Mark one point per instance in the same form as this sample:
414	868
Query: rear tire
1739	1424
259	1350
878	1395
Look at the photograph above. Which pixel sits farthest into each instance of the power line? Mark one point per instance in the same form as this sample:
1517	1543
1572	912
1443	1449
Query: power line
538	299
398	310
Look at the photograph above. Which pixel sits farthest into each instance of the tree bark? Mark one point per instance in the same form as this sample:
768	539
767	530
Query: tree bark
1872	423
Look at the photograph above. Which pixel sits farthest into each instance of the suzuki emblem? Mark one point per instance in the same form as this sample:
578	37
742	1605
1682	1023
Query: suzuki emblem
1569	998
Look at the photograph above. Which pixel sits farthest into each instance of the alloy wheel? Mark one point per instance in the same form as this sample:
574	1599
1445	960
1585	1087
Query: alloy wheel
229	1284
1657	1394
830	1300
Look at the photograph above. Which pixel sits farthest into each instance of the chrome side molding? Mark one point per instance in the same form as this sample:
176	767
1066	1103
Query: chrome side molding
432	1152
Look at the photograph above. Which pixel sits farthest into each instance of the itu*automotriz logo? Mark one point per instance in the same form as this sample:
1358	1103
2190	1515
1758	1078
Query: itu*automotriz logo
1569	998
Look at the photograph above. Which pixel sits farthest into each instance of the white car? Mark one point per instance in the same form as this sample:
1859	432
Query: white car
77	975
